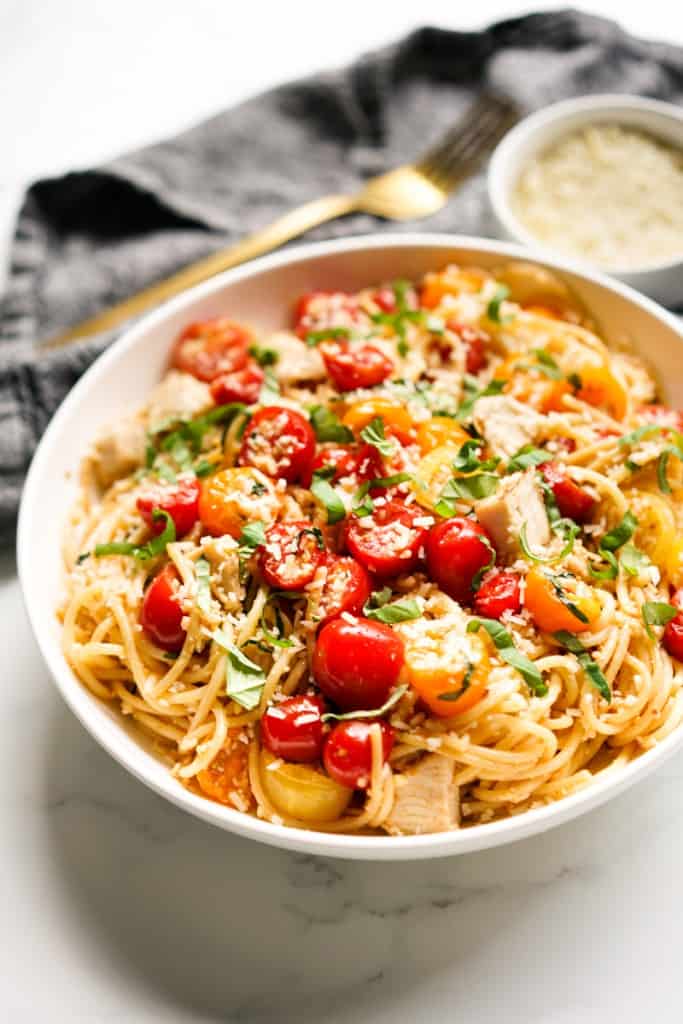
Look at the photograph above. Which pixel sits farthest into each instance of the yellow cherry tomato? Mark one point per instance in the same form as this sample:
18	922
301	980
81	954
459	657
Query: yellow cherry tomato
433	473
543	597
389	410
230	499
439	430
656	533
300	791
451	281
527	382
599	387
448	670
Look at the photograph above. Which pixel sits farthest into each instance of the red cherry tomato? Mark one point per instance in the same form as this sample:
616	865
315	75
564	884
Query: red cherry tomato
352	366
347	754
317	311
475	342
340	457
357	663
162	614
281	443
290	556
293	729
239	386
498	593
566	444
457	549
385	298
179	500
673	637
663	416
572	501
389	541
208	348
346	588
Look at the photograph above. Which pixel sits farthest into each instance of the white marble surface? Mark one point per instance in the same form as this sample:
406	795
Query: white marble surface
115	906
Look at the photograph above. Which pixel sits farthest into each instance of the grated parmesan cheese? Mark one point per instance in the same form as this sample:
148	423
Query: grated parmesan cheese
609	194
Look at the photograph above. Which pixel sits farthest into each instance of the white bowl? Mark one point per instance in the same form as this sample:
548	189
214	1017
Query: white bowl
663	281
261	293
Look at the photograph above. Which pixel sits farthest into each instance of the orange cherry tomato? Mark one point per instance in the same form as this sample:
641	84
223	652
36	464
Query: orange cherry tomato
389	410
451	281
234	497
529	384
601	388
549	611
228	773
448	684
440	430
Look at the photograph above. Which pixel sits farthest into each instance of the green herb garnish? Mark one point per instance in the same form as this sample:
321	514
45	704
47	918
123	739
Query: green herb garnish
326	494
404	610
155	546
590	667
313	338
244	679
493	309
374	434
657	613
391	702
329	427
264	356
506	648
527	457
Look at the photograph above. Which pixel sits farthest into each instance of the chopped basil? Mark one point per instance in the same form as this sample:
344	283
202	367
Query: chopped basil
270	389
184	443
632	560
264	356
465	488
480	573
202	570
391	702
244	679
646	430
404	610
453	695
203	468
562	596
329	427
253	535
473	394
657	613
527	457
575	380
257	488
590	667
506	648
610	543
493	309
330	333
363	504
279	639
468	461
567	529
403	315
545	364
327	495
374	434
155	546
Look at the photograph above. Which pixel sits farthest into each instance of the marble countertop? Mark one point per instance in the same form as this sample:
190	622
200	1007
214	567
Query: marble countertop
116	906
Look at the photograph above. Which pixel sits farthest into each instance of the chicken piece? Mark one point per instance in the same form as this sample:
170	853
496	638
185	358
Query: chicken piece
118	450
506	424
297	362
518	501
180	396
426	800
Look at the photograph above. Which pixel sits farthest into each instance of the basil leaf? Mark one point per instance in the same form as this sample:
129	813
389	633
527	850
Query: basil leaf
156	546
561	596
270	389
473	394
264	356
202	570
244	679
590	667
632	560
275	640
329	427
657	613
480	573
468	461
391	702
450	696
330	333
575	380
252	535
508	652
613	540
465	488
527	457
610	571
646	430
373	434
327	496
366	507
493	309
398	611
379	597
545	359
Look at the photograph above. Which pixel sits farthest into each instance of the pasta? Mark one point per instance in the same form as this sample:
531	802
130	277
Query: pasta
409	566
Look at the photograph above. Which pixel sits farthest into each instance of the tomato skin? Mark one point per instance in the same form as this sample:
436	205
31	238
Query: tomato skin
385	298
281	443
356	664
315	311
379	541
209	348
550	613
347	754
673	637
290	556
475	342
389	410
340	457
293	729
440	430
346	589
457	549
180	501
162	614
239	386
572	501
499	593
226	500
662	416
352	366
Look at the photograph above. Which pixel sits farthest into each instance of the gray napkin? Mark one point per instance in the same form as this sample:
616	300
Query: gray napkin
92	237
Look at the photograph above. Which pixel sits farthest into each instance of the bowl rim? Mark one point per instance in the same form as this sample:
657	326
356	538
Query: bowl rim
81	702
538	124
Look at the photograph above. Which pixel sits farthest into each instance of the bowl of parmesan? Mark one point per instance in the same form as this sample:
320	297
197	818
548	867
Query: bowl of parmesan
598	179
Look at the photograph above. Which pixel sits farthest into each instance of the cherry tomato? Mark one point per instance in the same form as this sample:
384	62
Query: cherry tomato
180	500
546	598
239	386
346	588
385	298
457	549
357	663
565	444
601	388
228	774
290	556
352	366
347	754
317	311
389	410
498	593
449	672
340	457
663	416
572	501
208	348
388	542
673	637
281	443
440	430
293	729
475	342
234	497
162	614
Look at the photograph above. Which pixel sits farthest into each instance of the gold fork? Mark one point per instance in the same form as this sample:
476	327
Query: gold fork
408	192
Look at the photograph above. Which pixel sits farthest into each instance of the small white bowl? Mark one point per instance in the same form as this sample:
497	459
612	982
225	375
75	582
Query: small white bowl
261	294
662	281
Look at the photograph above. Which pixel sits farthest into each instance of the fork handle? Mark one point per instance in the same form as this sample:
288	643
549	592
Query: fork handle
281	230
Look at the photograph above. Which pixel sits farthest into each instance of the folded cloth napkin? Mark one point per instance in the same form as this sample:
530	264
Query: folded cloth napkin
90	238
